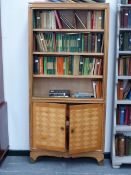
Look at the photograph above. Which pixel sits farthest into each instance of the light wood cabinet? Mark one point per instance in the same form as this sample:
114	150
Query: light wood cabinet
68	49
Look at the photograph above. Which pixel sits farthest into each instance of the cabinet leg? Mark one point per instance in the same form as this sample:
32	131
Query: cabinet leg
101	163
33	157
100	159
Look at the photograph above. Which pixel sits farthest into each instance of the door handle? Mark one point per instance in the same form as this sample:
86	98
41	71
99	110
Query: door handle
72	131
62	128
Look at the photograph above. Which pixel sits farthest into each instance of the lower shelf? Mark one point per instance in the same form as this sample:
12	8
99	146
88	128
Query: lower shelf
123	128
124	159
118	161
68	100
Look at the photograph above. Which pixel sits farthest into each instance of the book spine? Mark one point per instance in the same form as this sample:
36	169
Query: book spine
58	19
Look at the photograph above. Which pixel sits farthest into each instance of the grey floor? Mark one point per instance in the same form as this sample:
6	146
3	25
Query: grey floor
58	166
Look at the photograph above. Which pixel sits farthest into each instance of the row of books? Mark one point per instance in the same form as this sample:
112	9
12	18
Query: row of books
67	65
123	115
67	42
71	19
125	1
124	90
124	66
122	145
125	41
125	18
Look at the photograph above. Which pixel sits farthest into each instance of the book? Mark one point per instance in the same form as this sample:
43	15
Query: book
66	21
41	70
76	64
80	20
36	65
122	115
60	65
58	20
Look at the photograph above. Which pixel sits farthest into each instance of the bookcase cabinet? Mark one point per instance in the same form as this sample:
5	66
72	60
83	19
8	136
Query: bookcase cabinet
68	50
121	140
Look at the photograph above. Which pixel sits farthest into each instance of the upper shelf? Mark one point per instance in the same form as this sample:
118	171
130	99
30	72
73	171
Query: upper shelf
123	102
69	76
124	5
126	77
68	53
125	29
69	30
68	100
57	6
125	52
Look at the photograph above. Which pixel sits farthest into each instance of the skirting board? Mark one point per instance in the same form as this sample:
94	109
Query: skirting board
27	153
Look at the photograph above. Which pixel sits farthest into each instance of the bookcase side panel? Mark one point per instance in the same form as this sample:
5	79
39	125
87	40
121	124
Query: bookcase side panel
30	52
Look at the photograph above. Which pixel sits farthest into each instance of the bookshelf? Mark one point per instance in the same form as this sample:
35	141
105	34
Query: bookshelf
68	50
121	139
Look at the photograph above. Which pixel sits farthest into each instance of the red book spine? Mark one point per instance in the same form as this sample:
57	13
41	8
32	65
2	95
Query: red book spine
129	1
129	115
92	20
60	65
121	19
125	17
58	19
41	65
129	67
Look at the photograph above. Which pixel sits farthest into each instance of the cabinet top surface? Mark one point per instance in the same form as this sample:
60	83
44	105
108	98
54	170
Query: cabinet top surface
69	5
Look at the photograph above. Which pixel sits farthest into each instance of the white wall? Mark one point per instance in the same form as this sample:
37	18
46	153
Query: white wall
15	60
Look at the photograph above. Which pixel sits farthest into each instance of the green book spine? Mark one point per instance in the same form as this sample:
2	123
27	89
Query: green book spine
45	65
82	42
89	42
54	65
34	19
57	42
60	41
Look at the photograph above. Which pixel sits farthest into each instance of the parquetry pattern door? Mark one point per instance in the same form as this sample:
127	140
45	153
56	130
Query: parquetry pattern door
85	128
49	131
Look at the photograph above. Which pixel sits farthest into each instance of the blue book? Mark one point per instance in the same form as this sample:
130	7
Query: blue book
122	115
129	40
129	18
129	95
36	65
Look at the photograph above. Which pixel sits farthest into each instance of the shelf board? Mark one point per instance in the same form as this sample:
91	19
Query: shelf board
125	5
125	29
123	128
69	76
68	100
69	30
122	159
68	53
124	102
126	77
125	52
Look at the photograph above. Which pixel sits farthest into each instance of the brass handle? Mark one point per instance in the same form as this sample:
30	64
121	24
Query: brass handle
62	128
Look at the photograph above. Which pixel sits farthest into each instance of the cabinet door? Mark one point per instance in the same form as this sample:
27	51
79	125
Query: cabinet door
86	128
49	130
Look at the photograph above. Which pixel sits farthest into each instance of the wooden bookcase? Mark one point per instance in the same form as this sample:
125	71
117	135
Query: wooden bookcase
70	42
121	139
